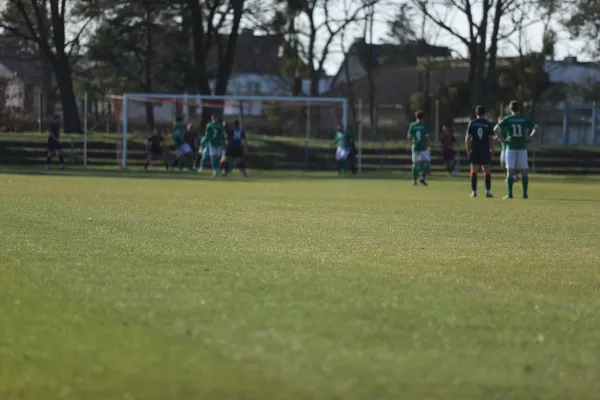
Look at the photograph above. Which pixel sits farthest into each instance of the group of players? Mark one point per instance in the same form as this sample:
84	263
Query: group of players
221	144
513	132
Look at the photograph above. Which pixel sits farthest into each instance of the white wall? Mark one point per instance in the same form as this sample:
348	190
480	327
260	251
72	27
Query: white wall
561	72
15	94
239	84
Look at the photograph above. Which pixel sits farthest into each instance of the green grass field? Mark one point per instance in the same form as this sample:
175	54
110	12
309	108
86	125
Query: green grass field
291	286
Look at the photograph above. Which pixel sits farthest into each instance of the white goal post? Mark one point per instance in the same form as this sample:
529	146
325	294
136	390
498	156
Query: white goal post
187	101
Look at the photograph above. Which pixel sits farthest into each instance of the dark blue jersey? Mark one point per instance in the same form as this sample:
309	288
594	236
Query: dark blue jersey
54	130
236	138
480	130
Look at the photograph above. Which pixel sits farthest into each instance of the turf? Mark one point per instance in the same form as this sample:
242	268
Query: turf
290	286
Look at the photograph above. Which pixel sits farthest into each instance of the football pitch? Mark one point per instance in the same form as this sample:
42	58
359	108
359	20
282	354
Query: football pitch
125	285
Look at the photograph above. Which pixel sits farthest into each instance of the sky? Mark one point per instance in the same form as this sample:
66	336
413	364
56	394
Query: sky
434	35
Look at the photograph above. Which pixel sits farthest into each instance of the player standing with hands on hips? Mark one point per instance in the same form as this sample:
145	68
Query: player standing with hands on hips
418	140
479	142
515	131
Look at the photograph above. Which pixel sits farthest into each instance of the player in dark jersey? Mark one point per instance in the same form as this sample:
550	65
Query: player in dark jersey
53	145
479	142
352	155
191	138
448	139
156	150
237	147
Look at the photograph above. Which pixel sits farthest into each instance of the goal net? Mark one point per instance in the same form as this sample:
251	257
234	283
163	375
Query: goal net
283	132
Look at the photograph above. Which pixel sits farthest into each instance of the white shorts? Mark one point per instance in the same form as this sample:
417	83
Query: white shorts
341	154
216	151
516	159
503	158
183	149
420	156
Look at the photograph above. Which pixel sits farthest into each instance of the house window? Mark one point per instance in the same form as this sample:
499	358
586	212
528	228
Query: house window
253	87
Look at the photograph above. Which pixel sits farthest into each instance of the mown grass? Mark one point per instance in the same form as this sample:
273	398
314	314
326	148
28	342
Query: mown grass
295	286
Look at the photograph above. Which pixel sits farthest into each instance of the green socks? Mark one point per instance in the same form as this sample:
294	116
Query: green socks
525	180
510	180
214	162
424	170
415	172
181	162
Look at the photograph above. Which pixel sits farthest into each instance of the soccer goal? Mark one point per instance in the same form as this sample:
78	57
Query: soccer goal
284	132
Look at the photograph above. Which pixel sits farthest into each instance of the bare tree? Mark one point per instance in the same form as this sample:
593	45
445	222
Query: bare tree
484	33
318	25
44	23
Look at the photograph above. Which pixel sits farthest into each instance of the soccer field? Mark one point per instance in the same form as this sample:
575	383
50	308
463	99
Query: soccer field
292	286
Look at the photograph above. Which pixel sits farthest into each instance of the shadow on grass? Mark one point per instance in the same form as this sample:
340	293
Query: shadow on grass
254	175
263	175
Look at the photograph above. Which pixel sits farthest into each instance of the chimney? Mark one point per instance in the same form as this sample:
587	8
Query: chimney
571	60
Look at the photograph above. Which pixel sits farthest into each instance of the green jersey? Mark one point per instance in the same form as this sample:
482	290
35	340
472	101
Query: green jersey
419	132
516	129
178	134
343	141
214	135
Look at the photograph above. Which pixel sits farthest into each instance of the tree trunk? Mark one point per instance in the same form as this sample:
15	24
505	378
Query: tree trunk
350	93
369	49
473	73
226	66
47	100
479	95
492	73
62	70
314	74
148	65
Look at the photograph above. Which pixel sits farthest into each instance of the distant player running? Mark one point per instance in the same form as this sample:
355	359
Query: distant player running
515	131
237	147
53	146
184	150
448	139
418	140
344	145
479	142
155	150
215	140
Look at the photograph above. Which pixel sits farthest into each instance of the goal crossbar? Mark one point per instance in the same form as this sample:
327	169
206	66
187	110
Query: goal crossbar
198	97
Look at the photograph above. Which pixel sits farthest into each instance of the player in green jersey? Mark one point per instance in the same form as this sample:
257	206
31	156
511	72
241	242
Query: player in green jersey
343	141
184	150
214	138
418	140
503	156
515	131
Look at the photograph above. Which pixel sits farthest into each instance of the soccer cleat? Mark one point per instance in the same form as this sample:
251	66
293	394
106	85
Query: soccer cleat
473	194
48	167
62	166
422	181
508	196
200	169
489	195
415	183
525	196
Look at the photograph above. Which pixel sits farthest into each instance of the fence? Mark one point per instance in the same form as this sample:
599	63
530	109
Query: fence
564	125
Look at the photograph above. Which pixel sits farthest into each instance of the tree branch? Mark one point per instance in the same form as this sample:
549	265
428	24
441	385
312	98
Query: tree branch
422	6
75	41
